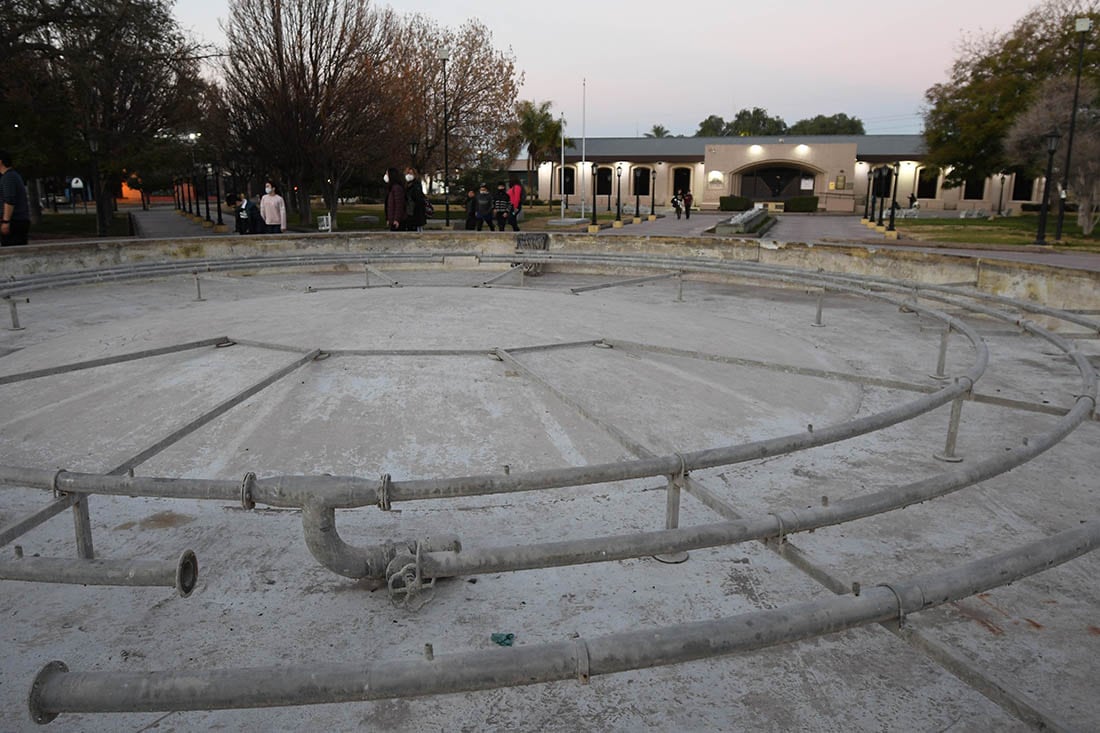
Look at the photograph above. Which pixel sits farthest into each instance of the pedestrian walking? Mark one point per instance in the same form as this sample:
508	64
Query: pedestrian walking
416	203
246	214
502	207
395	200
273	209
471	209
483	204
688	199
515	195
678	202
16	222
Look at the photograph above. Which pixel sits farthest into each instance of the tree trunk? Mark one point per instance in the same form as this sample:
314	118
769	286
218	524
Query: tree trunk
36	201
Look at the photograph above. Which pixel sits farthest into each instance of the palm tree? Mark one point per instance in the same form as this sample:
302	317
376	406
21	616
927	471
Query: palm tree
536	130
658	131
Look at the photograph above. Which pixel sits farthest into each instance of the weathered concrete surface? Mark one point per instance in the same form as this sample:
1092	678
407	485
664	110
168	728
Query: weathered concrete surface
263	600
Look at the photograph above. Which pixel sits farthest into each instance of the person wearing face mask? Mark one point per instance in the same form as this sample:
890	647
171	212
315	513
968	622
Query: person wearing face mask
272	210
395	200
415	202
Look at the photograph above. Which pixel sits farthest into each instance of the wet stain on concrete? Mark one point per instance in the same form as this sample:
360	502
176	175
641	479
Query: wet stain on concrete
978	616
160	520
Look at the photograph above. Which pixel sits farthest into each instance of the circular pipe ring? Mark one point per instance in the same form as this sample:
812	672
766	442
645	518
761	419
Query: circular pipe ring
187	573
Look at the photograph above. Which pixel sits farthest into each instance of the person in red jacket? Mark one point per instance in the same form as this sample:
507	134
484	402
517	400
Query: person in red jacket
515	195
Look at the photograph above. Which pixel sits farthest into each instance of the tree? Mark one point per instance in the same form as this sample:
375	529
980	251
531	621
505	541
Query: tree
481	82
755	122
713	126
658	131
1051	108
838	124
996	78
537	130
305	84
99	79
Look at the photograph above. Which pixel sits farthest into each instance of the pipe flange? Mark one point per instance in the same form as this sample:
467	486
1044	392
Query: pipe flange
187	573
248	484
34	699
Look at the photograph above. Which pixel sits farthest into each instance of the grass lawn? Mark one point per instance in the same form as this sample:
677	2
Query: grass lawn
75	226
1005	230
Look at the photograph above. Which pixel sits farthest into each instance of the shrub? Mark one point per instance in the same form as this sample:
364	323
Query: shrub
734	203
801	204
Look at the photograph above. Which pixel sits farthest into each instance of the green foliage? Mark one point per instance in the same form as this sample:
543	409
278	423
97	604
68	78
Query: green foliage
838	124
539	132
658	131
800	205
734	203
995	79
713	126
747	122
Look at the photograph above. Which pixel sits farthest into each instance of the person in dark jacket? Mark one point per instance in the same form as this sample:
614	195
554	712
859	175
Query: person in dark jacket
471	209
395	200
502	207
246	214
16	222
416	204
483	207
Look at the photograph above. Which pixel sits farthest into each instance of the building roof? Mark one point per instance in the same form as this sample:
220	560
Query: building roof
874	148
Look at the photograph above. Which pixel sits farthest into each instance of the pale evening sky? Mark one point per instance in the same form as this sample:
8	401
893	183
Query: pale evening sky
674	63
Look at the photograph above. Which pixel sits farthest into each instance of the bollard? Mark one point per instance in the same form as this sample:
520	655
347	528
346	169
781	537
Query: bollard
366	271
672	519
15	314
198	288
948	454
680	286
941	361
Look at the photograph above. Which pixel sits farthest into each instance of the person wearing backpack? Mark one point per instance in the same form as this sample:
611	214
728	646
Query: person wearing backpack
416	203
395	200
483	203
678	202
246	214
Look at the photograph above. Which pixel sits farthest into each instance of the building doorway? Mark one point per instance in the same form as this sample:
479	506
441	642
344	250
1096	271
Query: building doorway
776	183
681	179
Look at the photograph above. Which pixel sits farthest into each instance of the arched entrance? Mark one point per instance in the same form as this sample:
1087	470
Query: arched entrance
776	183
681	179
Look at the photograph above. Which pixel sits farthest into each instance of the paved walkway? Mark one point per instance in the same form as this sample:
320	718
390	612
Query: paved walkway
162	222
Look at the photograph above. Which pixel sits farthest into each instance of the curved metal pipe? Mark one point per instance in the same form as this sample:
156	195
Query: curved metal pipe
56	690
183	574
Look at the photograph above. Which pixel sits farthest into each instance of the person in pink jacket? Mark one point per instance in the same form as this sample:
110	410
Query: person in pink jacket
273	210
515	195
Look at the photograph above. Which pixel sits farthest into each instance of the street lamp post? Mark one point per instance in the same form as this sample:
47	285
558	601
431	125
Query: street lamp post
443	55
414	145
100	227
1083	26
206	192
1001	197
894	198
595	176
1051	139
619	194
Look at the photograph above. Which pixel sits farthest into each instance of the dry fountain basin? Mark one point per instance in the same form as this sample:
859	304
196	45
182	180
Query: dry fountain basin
427	490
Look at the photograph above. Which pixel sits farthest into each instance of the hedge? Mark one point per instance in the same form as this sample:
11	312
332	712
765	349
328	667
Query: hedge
734	203
801	204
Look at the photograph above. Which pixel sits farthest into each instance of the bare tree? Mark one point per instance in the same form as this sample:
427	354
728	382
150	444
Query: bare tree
305	82
1051	108
482	84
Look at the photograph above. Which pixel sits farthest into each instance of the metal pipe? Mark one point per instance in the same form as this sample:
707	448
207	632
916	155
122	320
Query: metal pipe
56	690
948	454
182	574
941	359
21	526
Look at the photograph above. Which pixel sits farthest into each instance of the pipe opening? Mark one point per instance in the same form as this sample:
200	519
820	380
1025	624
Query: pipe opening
187	573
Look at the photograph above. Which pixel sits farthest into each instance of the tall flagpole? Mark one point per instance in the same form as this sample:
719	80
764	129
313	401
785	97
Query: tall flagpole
584	143
561	174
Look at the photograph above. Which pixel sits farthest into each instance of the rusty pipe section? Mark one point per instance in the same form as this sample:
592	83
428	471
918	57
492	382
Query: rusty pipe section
183	574
56	690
